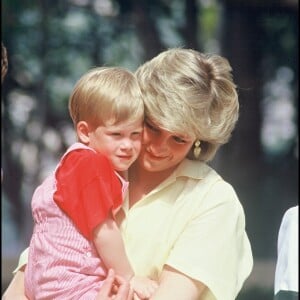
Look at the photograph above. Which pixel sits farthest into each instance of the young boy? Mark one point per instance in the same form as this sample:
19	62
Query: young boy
75	238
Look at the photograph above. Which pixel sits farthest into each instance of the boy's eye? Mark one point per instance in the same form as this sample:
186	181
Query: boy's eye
136	133
115	133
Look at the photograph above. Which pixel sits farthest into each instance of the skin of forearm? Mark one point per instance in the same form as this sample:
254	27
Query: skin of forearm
110	247
175	285
16	289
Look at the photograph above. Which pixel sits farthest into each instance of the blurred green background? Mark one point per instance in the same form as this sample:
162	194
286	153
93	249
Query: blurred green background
51	43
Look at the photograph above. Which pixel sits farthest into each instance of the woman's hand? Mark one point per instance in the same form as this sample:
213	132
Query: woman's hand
115	288
143	287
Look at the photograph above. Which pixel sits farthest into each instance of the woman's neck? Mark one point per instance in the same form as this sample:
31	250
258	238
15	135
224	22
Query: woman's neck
142	182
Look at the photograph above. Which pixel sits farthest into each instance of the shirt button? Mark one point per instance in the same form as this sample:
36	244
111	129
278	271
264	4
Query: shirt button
88	254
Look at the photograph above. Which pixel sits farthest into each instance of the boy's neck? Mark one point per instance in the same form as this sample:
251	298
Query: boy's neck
123	174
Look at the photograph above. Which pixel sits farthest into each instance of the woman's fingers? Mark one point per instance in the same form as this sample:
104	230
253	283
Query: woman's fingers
124	290
105	292
136	297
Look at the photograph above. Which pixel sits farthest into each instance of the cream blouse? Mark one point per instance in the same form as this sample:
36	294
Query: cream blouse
193	222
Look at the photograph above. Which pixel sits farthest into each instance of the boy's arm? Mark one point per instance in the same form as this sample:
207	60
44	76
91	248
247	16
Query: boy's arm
110	247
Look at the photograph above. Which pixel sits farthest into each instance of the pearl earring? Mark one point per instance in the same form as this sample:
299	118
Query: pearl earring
197	149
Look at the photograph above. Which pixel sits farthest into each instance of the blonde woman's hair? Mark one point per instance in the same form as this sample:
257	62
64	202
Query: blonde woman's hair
106	94
193	94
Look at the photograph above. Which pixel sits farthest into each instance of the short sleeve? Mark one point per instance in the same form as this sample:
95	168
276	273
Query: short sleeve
87	189
287	272
214	248
23	259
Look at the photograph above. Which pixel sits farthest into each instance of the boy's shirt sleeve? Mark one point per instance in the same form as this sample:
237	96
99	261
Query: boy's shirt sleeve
87	189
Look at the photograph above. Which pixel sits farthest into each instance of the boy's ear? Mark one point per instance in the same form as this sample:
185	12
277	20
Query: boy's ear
82	129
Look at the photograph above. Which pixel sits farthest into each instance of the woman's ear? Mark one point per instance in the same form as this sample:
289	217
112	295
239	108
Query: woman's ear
82	129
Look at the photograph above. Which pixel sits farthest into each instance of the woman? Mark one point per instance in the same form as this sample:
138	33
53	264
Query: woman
182	224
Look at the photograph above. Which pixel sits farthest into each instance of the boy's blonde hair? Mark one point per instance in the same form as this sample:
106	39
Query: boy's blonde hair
192	94
106	94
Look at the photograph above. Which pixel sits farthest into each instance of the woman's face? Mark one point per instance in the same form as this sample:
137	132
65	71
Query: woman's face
162	150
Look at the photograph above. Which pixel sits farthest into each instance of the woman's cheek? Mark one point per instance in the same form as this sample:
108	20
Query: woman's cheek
146	136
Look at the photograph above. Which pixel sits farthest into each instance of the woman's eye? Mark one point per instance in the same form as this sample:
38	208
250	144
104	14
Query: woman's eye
151	127
178	139
116	133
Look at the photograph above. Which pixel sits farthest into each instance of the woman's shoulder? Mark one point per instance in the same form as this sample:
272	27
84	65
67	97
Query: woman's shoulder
195	170
201	173
210	187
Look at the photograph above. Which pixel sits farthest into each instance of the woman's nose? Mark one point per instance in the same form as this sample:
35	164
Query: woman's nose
159	145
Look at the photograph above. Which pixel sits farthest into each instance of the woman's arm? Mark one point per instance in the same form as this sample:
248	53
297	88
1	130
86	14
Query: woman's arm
177	286
15	290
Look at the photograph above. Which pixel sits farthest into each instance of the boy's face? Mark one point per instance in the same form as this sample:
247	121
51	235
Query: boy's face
121	142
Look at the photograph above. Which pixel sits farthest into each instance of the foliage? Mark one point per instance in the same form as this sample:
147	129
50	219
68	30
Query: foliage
51	43
256	293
